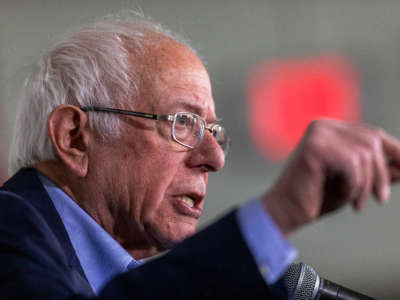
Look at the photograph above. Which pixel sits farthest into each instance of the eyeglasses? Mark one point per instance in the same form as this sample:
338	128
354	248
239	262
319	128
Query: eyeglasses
187	129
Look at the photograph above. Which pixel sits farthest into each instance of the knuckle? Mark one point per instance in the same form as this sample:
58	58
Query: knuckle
376	135
375	143
378	131
317	133
318	125
366	156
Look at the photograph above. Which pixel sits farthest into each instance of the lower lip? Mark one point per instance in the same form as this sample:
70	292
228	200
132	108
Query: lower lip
186	210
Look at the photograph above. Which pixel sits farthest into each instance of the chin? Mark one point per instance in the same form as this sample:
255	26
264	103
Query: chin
170	239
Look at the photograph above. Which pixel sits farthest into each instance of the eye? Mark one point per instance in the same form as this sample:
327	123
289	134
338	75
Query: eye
185	121
181	120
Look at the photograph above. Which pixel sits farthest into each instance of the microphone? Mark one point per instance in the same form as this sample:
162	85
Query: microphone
304	283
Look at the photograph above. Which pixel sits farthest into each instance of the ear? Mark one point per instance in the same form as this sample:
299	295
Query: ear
68	131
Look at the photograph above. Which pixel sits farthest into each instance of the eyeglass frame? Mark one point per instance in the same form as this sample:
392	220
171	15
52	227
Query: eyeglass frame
164	117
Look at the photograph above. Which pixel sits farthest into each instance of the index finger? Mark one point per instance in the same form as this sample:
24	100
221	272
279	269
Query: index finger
391	147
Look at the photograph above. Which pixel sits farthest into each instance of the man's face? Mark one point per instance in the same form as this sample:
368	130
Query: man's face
154	187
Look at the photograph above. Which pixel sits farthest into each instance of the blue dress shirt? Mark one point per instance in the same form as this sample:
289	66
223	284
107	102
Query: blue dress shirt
271	251
102	258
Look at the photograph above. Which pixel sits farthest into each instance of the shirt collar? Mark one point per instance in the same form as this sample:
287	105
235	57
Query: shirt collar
101	256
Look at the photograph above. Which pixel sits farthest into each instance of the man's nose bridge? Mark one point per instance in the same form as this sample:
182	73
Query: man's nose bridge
211	129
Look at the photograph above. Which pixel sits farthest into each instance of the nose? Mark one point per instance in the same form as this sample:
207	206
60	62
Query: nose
208	155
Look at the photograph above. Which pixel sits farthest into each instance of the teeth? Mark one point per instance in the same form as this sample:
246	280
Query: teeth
187	200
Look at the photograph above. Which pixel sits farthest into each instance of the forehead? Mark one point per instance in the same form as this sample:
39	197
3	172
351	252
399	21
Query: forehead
177	80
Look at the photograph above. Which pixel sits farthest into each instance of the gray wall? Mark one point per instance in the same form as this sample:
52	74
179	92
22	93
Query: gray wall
357	250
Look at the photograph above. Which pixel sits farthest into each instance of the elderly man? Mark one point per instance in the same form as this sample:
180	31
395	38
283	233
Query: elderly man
112	148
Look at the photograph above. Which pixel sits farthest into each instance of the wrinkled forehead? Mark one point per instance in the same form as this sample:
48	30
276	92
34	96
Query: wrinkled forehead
176	79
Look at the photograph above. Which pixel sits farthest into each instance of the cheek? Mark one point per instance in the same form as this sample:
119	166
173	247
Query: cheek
150	183
160	218
150	168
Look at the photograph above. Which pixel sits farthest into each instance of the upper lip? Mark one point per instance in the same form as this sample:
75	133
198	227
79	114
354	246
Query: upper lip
191	187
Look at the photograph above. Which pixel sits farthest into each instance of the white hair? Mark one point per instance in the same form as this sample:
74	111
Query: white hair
94	65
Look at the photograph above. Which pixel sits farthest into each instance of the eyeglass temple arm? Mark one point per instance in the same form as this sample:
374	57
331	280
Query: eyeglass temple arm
128	112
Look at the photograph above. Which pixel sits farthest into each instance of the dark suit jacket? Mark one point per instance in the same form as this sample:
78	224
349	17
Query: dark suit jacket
37	260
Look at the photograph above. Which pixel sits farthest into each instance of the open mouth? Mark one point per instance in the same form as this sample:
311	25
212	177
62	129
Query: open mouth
189	205
187	200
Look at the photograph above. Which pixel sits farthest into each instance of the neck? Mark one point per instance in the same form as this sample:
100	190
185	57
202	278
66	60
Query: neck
52	170
90	203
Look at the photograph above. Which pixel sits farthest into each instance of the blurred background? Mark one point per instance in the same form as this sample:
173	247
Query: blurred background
274	65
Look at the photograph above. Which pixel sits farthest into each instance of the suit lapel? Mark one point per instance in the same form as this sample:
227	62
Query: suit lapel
26	184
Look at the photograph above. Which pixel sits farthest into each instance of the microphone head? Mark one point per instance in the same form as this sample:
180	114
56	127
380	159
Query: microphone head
302	281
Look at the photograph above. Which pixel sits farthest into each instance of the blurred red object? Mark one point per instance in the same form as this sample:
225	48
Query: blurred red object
284	96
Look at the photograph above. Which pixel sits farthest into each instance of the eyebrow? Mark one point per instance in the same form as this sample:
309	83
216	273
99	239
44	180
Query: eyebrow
192	108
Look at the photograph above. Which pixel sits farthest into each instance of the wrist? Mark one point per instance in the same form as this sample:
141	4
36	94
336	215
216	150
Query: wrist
282	212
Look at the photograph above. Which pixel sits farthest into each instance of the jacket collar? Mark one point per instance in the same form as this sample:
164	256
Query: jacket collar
26	184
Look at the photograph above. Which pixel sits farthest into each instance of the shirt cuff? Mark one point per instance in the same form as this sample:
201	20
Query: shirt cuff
272	252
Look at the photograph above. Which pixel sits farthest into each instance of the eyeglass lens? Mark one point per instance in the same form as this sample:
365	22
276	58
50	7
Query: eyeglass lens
188	129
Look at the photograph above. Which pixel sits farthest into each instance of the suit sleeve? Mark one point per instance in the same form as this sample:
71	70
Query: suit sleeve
213	264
